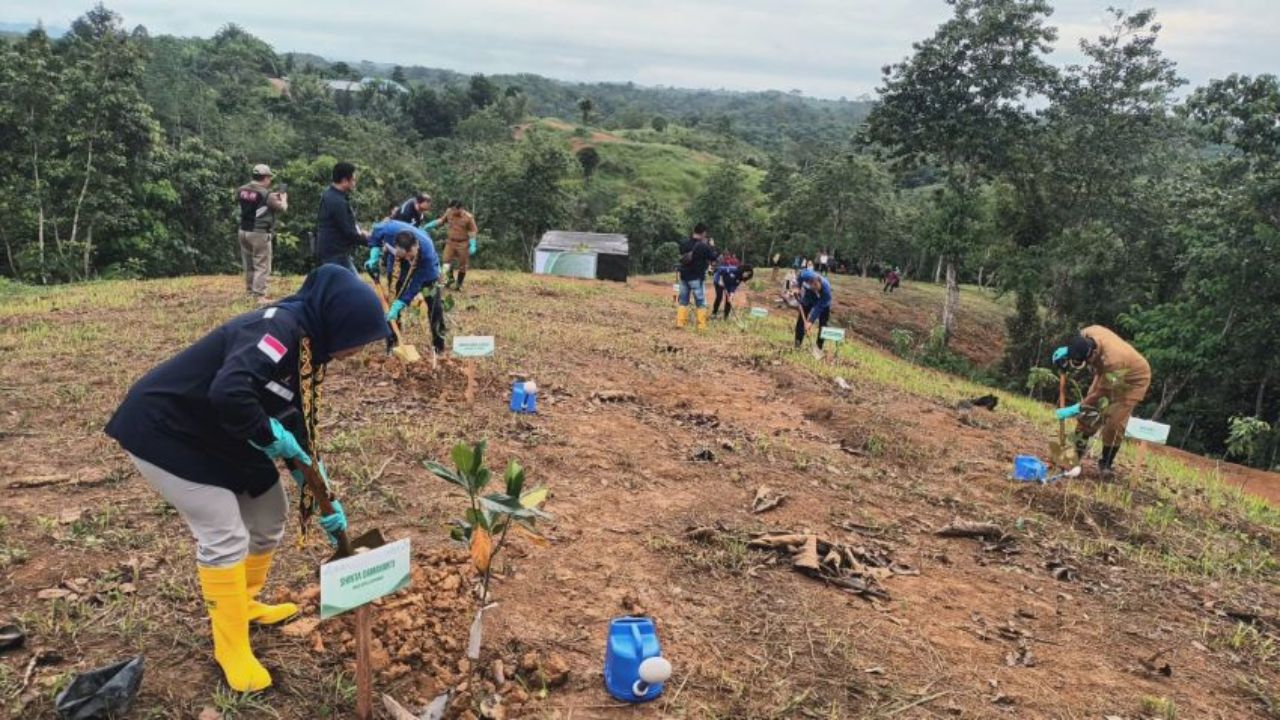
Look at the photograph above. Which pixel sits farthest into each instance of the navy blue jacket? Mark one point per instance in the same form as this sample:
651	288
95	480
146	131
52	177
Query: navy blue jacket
194	414
408	212
426	269
702	254
816	303
728	277
336	232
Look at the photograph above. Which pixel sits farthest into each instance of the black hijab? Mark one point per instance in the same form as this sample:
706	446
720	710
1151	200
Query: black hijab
338	310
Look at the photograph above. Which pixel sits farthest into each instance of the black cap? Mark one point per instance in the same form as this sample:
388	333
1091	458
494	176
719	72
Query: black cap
1079	348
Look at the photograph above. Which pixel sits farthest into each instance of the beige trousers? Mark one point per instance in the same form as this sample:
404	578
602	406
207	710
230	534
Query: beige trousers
255	252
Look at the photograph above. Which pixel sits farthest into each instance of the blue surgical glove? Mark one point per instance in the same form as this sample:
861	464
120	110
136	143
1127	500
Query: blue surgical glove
1060	356
335	523
431	224
301	479
1068	412
283	445
394	313
372	263
471	249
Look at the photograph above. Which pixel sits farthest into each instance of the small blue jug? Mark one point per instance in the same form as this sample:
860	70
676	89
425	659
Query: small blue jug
1028	468
634	669
517	396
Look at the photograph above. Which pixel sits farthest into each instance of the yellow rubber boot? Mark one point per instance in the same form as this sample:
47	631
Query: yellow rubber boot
225	596
256	568
682	316
702	318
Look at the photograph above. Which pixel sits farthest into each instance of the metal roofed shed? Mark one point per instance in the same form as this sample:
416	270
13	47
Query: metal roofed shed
597	256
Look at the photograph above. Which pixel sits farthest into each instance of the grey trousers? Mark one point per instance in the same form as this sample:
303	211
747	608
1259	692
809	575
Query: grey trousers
255	253
227	526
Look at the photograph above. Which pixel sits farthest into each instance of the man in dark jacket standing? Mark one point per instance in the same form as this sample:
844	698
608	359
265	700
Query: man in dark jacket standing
696	254
336	231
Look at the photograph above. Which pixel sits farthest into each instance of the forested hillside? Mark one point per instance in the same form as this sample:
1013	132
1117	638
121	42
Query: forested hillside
1101	193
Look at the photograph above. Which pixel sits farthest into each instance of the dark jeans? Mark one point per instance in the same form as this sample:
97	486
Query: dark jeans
722	295
823	319
435	308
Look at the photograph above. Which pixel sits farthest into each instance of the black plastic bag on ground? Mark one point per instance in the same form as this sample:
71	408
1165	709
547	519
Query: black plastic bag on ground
101	694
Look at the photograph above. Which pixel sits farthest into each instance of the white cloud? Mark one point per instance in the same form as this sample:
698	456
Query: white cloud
824	47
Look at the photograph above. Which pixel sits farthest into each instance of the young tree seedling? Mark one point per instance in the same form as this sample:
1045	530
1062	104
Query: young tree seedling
490	517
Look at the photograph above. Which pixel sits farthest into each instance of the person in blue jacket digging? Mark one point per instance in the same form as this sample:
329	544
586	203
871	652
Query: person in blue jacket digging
815	305
726	280
206	427
409	259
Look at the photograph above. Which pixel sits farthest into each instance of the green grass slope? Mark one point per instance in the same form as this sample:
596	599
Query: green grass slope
640	163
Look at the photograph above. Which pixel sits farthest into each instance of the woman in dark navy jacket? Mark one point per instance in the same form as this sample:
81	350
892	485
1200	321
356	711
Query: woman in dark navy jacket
206	427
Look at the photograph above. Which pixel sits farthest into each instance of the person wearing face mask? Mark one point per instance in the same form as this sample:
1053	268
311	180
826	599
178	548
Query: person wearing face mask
206	428
1121	377
409	259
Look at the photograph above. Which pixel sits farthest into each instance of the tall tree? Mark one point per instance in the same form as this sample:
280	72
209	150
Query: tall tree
589	159
648	224
523	191
482	91
961	100
585	106
32	98
847	203
107	127
723	206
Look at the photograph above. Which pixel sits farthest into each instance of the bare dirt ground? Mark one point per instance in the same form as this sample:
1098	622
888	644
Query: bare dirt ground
1154	597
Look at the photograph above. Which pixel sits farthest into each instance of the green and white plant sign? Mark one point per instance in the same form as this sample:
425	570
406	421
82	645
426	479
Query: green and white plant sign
350	582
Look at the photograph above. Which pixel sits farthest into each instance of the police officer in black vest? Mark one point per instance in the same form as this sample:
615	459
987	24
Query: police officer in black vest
259	207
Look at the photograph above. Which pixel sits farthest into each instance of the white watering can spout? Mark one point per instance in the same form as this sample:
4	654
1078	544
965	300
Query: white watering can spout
652	671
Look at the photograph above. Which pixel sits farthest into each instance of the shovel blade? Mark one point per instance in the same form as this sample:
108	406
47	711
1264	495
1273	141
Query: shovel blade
368	541
407	353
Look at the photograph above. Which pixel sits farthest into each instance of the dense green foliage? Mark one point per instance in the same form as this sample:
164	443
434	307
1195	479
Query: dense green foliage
1093	193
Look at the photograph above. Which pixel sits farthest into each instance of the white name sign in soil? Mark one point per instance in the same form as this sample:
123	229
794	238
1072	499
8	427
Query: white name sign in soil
832	334
348	583
1148	430
759	312
473	345
676	287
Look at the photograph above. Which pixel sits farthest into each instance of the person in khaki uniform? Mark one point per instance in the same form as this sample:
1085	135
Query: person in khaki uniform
259	207
1121	377
461	231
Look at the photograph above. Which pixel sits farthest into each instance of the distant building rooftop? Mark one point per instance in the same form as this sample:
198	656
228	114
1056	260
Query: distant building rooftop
355	86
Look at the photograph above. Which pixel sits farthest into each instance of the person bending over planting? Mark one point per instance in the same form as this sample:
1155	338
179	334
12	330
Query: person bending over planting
815	305
726	280
206	427
409	259
1121	377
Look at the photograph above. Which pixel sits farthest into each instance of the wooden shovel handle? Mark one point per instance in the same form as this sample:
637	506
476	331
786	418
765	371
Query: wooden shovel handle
1062	389
321	493
386	307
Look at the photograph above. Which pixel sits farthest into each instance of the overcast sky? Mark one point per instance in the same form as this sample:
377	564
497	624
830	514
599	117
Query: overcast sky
827	48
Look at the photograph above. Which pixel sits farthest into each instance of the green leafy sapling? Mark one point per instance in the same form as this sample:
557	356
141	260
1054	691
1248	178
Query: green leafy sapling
489	518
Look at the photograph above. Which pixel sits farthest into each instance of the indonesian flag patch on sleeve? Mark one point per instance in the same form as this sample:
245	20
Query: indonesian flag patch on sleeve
272	348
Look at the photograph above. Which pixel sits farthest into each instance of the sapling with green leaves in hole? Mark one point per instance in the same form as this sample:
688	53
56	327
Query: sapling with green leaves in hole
489	519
